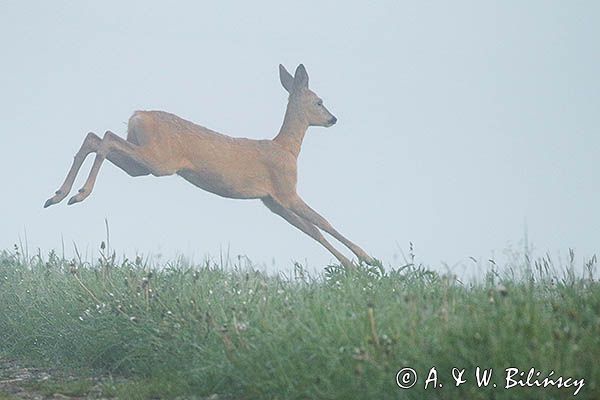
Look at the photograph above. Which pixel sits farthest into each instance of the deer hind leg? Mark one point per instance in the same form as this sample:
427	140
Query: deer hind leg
120	152
305	227
299	207
90	144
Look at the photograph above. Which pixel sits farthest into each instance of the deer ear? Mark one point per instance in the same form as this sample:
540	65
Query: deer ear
287	80
300	78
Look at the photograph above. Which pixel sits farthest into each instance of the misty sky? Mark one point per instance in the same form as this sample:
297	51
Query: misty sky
460	124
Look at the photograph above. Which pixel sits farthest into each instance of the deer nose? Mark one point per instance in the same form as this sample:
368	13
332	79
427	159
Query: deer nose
333	120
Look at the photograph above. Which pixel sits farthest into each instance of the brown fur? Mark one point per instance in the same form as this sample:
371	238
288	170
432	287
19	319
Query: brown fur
160	144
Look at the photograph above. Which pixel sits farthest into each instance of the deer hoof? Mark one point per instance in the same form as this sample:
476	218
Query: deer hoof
59	195
75	199
369	260
49	202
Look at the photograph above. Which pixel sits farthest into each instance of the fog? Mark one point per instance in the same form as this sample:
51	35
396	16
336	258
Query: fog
462	126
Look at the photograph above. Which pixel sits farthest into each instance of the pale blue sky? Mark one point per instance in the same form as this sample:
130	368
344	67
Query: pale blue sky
458	122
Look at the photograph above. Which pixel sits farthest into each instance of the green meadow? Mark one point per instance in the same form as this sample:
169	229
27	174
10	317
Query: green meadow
124	329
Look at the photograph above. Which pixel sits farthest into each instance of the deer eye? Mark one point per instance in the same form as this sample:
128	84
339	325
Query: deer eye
320	102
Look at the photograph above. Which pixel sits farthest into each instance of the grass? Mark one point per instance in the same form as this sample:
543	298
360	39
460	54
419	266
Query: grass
70	388
200	331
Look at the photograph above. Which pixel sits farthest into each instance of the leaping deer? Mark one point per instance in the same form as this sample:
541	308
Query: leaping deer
161	144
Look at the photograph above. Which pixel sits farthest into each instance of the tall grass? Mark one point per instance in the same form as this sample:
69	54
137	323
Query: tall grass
201	330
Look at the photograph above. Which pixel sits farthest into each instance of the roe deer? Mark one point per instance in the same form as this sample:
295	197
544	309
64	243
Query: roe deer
160	144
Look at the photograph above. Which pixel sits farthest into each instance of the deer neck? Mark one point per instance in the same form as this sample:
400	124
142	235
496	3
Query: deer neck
292	130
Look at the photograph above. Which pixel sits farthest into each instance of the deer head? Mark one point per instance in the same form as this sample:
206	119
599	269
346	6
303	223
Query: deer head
304	101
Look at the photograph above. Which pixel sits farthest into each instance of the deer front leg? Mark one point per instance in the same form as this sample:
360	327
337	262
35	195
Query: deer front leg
90	145
299	207
122	153
305	227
